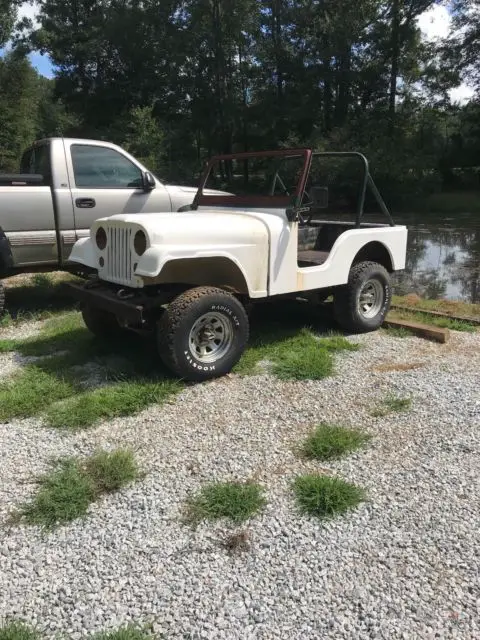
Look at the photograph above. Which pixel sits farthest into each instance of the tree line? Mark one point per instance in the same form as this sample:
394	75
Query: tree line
175	81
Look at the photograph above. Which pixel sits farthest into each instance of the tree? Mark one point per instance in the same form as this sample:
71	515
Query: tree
8	14
18	108
463	49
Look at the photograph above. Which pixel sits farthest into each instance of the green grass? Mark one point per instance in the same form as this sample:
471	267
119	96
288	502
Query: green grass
53	386
15	630
28	392
391	404
236	501
120	399
449	307
18	631
128	375
129	632
66	492
397	332
326	496
436	321
294	355
328	442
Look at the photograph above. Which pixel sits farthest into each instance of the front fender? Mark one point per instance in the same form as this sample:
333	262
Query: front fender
83	252
251	263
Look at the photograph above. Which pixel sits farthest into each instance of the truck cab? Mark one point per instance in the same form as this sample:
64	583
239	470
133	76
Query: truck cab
262	233
64	185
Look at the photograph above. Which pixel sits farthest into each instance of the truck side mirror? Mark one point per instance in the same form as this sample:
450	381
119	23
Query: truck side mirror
148	181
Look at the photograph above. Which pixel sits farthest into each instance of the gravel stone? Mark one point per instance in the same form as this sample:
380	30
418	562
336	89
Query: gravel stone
405	564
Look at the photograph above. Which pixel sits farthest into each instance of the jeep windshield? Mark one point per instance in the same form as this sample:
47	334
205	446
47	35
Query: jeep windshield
267	179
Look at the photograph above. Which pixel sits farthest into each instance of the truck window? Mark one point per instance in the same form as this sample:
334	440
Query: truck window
36	160
101	167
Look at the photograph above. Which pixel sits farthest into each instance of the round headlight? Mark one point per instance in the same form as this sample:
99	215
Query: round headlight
140	243
101	238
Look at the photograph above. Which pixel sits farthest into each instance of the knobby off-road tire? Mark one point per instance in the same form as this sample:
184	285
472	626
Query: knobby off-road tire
2	298
361	305
202	334
102	324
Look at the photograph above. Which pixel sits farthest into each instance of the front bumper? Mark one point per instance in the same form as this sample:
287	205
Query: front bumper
130	310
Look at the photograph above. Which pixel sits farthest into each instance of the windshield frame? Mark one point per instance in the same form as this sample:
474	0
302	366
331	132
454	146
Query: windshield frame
254	201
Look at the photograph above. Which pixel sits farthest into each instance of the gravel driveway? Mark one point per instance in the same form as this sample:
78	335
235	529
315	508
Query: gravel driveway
405	564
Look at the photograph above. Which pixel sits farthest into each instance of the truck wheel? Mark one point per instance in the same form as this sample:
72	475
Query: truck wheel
2	298
362	304
101	323
202	334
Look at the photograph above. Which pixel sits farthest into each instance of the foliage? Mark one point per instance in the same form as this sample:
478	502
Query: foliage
66	492
234	500
176	81
325	496
328	441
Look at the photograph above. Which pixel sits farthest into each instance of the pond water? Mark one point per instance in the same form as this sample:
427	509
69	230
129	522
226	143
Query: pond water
443	257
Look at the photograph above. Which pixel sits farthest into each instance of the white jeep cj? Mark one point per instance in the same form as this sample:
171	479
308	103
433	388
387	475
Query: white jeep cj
190	275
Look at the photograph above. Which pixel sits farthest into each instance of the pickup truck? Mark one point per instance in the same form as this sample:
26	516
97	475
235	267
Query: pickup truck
189	279
64	185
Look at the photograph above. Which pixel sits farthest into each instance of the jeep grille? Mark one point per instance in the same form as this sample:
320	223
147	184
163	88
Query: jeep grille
118	261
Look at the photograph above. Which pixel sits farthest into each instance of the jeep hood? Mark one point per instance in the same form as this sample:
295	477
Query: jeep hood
213	229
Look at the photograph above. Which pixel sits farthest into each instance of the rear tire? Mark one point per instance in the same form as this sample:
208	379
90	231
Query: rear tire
202	334
102	324
362	304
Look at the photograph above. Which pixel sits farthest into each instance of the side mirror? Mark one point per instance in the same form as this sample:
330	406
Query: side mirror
148	181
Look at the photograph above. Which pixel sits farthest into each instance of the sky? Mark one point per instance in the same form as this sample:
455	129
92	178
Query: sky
434	23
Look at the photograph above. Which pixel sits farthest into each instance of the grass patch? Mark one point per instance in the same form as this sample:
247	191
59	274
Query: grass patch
68	490
328	442
436	321
397	332
326	496
449	307
130	375
392	404
26	393
293	355
17	631
120	399
236	501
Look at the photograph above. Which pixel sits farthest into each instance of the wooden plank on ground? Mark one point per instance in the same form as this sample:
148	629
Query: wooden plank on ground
438	314
427	331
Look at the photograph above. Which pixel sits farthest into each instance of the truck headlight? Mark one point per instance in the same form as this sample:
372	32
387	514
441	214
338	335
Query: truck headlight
140	243
101	238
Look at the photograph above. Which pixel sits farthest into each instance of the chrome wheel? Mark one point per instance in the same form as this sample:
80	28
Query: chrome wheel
211	337
371	299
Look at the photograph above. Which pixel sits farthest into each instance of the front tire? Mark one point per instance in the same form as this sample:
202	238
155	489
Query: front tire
202	334
362	304
102	324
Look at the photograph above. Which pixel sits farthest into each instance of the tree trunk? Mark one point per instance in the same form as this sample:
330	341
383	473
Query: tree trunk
395	64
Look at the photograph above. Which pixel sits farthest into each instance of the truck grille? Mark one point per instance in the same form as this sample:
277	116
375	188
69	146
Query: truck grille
119	263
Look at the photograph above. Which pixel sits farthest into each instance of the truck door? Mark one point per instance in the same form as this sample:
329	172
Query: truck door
105	182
